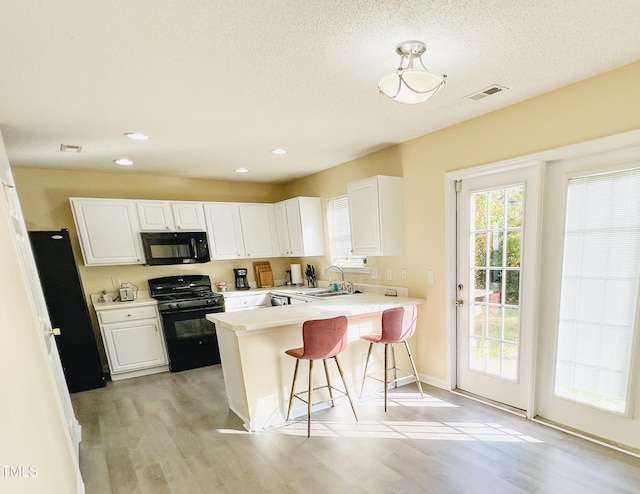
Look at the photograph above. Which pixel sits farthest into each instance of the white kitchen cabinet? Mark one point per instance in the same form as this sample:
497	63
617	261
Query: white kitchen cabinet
155	216
108	230
133	341
299	226
240	230
376	213
188	216
258	230
237	301
158	216
224	230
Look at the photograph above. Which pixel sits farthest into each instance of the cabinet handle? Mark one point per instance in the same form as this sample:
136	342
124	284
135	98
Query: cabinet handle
128	315
54	332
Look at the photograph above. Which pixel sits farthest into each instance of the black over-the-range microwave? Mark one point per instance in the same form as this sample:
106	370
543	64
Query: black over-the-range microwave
175	248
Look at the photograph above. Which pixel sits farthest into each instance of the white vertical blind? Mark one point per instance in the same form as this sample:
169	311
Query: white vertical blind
600	274
340	233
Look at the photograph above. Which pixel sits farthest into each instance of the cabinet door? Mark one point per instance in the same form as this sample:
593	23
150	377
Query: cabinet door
155	216
294	222
109	231
224	230
364	217
188	216
258	229
134	346
282	226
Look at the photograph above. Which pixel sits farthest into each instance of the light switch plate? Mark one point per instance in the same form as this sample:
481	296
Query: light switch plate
374	273
389	274
430	276
404	273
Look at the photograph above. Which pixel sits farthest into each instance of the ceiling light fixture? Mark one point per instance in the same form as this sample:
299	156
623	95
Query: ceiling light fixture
241	170
409	84
279	151
123	162
136	136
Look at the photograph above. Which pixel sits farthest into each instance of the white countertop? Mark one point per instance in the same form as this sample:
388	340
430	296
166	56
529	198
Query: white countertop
142	299
343	305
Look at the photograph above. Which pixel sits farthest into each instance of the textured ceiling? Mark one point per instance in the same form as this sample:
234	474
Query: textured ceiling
217	84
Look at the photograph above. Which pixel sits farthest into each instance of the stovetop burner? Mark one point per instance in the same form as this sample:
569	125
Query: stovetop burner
184	292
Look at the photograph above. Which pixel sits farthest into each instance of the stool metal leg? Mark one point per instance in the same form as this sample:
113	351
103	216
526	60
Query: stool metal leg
310	397
346	388
366	365
293	387
415	372
326	373
386	373
395	368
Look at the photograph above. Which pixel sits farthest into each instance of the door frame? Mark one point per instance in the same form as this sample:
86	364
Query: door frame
541	160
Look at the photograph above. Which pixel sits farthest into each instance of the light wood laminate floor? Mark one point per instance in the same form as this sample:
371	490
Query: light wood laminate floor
173	433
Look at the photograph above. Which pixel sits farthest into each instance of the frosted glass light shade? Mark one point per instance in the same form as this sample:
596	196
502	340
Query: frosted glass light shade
410	86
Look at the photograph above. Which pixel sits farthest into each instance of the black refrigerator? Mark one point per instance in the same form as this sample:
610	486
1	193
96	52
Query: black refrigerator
68	309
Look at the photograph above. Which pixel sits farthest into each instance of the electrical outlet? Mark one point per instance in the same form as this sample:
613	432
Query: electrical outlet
430	276
390	292
374	272
115	281
389	274
404	273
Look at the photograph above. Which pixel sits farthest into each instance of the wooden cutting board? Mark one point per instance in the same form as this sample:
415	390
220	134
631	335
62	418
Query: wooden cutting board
264	275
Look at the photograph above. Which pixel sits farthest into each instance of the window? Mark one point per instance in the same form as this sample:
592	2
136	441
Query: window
340	234
599	290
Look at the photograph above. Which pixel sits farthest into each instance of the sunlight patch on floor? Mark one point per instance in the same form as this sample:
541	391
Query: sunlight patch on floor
388	429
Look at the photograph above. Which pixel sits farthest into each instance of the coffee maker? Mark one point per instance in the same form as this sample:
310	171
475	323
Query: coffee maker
241	279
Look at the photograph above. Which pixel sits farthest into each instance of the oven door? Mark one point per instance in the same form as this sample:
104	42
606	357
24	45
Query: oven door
191	338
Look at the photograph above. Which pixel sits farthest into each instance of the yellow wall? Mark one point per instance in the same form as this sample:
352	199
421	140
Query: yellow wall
603	105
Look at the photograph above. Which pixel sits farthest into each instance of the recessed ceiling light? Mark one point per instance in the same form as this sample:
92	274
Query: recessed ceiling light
241	170
68	148
123	162
136	136
279	151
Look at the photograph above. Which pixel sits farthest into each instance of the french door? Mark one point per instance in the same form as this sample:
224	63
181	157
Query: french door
497	222
588	360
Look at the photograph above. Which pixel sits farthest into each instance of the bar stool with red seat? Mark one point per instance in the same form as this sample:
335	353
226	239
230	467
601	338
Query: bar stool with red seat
322	339
398	325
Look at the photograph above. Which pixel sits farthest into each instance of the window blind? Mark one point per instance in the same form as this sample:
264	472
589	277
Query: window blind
599	294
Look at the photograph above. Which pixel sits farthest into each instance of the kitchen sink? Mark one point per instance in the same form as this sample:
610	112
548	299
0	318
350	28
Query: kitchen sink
327	293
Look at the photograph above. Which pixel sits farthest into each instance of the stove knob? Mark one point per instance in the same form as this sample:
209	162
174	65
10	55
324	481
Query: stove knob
211	302
178	305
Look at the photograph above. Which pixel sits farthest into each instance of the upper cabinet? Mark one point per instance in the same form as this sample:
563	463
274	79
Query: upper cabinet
170	216
108	230
299	225
258	230
238	230
376	211
224	230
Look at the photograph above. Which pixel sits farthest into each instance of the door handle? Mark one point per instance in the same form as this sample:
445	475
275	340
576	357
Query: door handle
459	302
55	332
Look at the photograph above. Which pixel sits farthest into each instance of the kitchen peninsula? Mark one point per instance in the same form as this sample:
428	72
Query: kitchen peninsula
258	374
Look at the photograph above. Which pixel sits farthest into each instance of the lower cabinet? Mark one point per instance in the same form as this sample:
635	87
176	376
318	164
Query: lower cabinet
134	341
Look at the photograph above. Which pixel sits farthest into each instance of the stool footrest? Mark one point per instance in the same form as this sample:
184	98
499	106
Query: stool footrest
342	394
390	381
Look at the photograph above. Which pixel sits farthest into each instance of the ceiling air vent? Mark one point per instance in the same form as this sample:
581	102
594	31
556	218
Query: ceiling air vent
69	148
490	91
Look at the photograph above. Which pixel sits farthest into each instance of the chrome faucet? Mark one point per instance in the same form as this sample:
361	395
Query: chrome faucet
341	273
